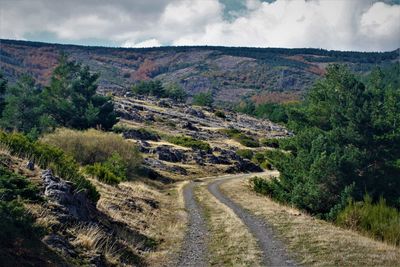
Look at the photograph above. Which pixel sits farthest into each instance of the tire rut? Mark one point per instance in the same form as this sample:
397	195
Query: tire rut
274	252
194	250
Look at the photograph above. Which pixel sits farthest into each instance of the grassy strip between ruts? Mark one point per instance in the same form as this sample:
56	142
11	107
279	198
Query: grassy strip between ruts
313	242
231	243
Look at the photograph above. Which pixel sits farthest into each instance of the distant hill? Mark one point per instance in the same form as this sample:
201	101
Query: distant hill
267	74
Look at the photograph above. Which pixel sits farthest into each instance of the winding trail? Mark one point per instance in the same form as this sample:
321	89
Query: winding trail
274	252
194	251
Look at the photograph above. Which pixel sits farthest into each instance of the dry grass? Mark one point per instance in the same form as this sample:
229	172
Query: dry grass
231	243
88	237
91	146
312	241
133	203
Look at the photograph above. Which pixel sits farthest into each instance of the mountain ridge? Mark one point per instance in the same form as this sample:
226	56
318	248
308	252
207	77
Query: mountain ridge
230	73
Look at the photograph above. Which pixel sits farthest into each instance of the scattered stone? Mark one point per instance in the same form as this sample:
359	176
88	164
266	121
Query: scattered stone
194	112
188	125
30	165
60	244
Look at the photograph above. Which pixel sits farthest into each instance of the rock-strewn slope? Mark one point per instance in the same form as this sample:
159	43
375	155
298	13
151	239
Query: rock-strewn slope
151	123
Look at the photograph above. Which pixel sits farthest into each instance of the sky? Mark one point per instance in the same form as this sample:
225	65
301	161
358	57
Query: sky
356	25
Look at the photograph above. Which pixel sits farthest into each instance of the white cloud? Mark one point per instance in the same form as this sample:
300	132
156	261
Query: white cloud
147	43
340	24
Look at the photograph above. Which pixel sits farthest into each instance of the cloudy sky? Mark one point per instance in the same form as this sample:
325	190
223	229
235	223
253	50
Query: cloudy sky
362	25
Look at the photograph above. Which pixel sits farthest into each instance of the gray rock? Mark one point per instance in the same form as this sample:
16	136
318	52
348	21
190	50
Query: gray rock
195	113
188	125
169	154
73	205
244	165
140	134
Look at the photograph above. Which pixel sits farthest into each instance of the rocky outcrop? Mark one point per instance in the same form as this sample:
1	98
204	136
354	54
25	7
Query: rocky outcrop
140	134
244	165
195	113
169	154
72	205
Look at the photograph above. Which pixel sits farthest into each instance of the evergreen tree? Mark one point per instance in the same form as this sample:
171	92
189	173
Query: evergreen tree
71	98
203	99
23	110
347	143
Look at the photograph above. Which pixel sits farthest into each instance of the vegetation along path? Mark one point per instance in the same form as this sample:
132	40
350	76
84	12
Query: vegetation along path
274	252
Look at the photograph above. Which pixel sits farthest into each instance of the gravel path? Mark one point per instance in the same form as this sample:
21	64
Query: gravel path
194	252
274	252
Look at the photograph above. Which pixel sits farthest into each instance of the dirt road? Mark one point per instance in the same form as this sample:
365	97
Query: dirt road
194	252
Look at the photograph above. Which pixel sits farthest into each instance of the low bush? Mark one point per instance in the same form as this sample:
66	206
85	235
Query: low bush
270	142
47	156
188	141
220	114
375	219
93	146
14	186
102	173
245	153
112	171
120	128
269	187
258	158
15	220
242	138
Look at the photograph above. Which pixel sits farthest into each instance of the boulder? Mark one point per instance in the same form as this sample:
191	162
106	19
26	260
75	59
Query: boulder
73	205
140	134
195	113
169	154
244	165
188	125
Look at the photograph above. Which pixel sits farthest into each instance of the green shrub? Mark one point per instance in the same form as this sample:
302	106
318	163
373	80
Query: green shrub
93	146
220	114
203	99
245	153
13	186
270	142
47	156
103	173
258	158
15	220
269	187
112	171
266	165
120	128
188	141
242	138
377	220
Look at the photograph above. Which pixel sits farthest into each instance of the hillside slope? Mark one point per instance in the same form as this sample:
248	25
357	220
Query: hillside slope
230	73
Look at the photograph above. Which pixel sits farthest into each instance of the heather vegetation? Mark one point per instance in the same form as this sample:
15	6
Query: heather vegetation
346	145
